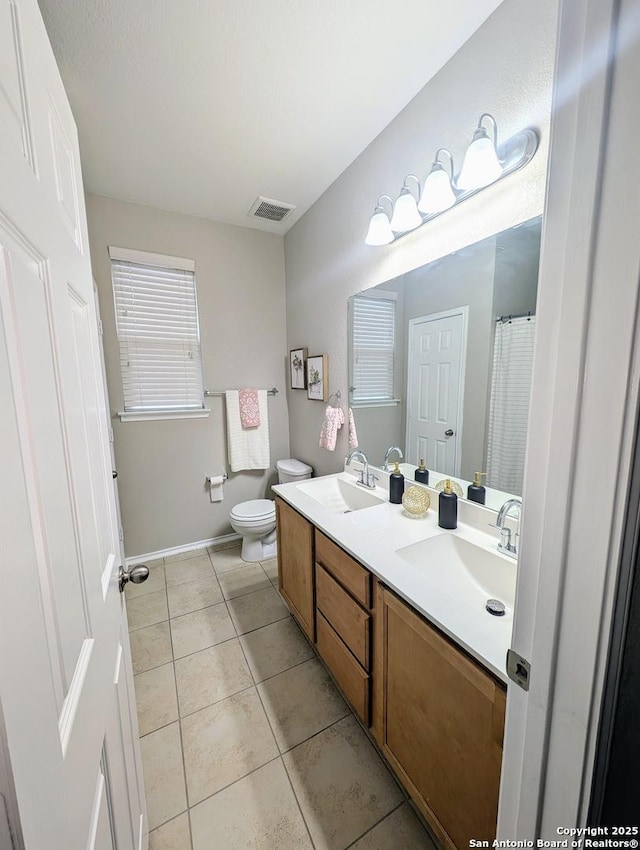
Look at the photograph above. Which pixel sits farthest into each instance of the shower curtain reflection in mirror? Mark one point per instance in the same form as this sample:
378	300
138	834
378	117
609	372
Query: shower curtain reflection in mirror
509	406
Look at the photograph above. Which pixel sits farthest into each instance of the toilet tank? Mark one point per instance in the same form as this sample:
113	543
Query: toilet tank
292	470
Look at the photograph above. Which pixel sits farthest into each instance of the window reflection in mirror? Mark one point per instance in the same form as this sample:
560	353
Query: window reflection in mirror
440	362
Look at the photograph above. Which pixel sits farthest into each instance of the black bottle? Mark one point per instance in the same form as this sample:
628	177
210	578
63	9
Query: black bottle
448	507
396	486
422	474
476	492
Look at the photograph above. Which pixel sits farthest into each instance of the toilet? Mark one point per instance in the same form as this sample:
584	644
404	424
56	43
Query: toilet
292	470
255	520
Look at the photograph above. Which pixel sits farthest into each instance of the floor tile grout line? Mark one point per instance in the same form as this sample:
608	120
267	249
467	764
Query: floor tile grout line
271	724
171	820
184	768
235	781
377	823
179	616
282	752
254	682
286	669
295	797
257	628
190	828
314	735
273	734
306	825
155	667
165	822
248	592
216	702
164	726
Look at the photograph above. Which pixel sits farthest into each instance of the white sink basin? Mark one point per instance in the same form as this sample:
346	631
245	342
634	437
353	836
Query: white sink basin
338	495
472	573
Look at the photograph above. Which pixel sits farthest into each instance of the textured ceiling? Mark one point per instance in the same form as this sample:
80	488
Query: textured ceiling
198	106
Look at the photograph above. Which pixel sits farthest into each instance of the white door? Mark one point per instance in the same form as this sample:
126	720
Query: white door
65	677
435	383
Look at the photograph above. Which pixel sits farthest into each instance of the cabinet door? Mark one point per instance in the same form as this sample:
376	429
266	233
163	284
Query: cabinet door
295	565
442	725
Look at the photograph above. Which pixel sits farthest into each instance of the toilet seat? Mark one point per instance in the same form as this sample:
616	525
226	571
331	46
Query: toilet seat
254	512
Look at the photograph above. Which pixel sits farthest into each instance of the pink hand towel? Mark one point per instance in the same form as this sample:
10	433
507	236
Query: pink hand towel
249	408
333	419
353	436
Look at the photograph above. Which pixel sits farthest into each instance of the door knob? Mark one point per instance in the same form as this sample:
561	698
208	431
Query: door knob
114	473
136	574
449	432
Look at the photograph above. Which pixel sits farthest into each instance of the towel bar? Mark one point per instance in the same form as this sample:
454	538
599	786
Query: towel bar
208	393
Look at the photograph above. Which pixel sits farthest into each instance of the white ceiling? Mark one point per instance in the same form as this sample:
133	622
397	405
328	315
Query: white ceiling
198	106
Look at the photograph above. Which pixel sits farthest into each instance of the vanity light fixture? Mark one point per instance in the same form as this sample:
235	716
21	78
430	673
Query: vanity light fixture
437	193
484	163
481	165
380	232
405	211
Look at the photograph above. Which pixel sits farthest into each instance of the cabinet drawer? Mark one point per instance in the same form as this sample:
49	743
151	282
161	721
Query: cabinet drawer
348	572
348	619
348	673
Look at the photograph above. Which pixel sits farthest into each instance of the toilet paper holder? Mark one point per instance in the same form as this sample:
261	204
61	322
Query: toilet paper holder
225	477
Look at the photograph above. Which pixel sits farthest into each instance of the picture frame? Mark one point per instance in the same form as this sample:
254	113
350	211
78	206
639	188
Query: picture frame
318	377
298	368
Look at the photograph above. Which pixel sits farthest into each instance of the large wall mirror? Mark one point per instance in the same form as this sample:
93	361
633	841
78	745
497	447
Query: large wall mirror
440	363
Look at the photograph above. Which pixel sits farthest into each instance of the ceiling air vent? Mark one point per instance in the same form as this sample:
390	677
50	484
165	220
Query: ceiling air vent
269	210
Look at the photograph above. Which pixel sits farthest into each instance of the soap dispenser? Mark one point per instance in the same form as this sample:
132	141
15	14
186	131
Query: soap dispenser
396	486
476	492
422	473
448	507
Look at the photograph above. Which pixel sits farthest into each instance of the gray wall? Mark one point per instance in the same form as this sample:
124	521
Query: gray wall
505	68
241	298
517	265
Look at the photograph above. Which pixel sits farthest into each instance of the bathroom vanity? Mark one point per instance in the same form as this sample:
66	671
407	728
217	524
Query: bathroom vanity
410	645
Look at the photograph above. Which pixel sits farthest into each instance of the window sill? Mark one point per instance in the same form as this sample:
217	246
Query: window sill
389	402
146	415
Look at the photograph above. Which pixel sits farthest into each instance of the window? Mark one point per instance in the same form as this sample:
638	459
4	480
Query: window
158	334
373	340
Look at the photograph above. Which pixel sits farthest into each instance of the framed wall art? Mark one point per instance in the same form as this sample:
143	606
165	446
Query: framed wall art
318	377
298	368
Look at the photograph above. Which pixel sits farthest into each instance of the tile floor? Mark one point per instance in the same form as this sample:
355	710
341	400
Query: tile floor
246	742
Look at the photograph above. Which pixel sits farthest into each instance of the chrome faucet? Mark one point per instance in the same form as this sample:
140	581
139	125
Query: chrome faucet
385	465
505	545
366	478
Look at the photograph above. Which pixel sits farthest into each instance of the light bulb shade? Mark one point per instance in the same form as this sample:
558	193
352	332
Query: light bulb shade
481	165
379	232
437	195
405	213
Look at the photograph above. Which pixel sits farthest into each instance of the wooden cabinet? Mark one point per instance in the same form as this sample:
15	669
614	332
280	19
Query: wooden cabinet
343	597
352	678
439	719
436	714
295	565
351	575
348	619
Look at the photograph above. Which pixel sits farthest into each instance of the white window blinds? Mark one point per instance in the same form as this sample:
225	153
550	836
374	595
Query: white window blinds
158	333
373	335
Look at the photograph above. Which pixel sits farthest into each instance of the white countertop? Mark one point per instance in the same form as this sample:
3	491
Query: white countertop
372	537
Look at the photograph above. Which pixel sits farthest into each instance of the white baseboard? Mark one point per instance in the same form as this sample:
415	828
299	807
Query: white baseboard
188	547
